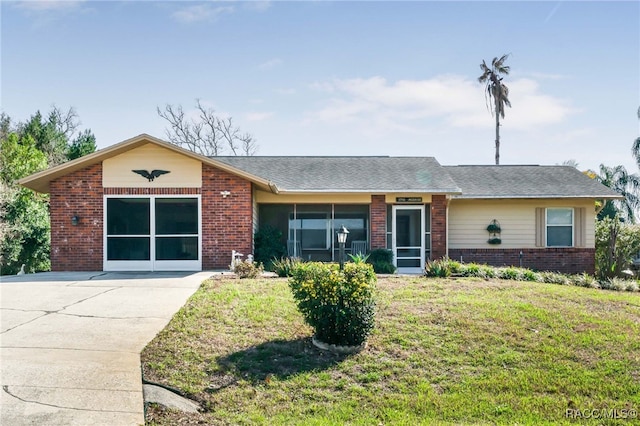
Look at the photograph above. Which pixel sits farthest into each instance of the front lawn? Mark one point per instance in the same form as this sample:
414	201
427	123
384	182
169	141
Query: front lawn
444	351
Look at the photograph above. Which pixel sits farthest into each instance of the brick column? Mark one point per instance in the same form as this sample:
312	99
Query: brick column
227	222
79	247
438	226
378	222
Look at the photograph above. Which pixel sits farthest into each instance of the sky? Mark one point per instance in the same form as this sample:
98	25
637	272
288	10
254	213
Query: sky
339	78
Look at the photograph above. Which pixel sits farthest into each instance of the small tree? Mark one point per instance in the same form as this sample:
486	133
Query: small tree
625	184
338	304
268	246
617	243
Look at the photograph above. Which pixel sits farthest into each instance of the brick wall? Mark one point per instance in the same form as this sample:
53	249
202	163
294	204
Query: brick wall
77	248
227	223
567	260
438	226
378	222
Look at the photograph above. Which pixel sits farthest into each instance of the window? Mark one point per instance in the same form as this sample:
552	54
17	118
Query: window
311	228
560	227
152	229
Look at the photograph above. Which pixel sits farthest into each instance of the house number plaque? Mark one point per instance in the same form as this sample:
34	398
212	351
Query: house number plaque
408	199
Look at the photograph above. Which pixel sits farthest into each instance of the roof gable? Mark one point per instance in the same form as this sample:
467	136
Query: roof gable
40	181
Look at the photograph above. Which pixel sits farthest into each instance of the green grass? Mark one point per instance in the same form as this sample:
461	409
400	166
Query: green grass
445	351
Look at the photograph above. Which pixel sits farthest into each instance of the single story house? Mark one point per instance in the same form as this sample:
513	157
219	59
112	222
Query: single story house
145	204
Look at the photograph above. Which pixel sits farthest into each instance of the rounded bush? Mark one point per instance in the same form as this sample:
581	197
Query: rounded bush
339	305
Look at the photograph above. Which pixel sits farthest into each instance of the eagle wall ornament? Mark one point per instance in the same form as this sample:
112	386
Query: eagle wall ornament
151	176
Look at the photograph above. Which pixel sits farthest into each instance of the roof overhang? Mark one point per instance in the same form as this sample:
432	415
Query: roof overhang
367	191
40	181
537	197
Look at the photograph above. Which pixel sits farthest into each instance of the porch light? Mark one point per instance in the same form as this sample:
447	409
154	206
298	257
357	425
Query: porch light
75	219
342	235
342	239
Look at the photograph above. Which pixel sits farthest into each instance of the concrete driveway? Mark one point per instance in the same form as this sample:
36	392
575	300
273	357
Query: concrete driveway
70	343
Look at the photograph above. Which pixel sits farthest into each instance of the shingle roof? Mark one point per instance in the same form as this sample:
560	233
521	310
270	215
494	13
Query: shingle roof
526	182
349	174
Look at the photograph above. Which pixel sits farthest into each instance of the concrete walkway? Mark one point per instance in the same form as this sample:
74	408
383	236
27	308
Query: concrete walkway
70	343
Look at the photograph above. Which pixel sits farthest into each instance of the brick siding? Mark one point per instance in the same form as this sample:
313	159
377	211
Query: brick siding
77	248
227	223
567	260
438	226
378	222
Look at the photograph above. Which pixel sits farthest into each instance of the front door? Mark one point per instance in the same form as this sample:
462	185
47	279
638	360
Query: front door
408	238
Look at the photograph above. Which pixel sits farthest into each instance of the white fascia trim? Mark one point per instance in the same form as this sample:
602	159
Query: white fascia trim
368	191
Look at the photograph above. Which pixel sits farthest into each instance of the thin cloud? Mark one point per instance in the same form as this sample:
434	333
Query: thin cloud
257	5
450	100
49	5
46	13
285	91
258	116
270	64
201	13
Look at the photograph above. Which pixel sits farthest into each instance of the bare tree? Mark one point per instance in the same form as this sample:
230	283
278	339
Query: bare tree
66	122
208	134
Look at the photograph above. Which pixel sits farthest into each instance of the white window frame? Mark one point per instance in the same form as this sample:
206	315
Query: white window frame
152	264
547	225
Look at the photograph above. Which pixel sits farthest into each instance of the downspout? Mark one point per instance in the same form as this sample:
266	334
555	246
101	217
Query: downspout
602	205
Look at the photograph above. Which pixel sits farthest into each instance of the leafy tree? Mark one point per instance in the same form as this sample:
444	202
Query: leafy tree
624	183
616	245
496	92
25	149
24	214
635	148
47	136
83	144
209	134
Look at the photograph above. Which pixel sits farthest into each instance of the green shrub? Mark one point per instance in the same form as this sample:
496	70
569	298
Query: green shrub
285	265
268	246
529	275
358	258
440	268
454	266
470	270
247	269
509	273
584	280
619	284
339	305
487	271
382	261
555	278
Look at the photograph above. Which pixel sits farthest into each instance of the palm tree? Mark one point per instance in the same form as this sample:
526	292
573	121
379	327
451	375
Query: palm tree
635	149
625	184
496	91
